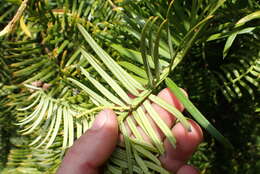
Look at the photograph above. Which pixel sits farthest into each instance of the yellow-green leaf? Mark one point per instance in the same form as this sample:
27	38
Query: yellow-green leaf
24	27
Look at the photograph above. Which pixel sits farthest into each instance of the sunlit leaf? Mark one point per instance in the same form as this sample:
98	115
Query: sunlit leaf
196	114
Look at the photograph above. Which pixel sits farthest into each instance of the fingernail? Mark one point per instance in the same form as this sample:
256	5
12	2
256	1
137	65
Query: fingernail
100	120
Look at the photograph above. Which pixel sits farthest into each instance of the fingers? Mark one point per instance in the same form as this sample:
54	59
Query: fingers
169	97
166	116
187	142
186	169
94	147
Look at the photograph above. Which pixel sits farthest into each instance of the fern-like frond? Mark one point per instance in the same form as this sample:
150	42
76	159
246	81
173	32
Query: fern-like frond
134	105
130	86
24	159
239	76
49	118
86	79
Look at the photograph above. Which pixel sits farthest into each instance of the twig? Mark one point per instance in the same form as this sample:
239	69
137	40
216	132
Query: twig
8	28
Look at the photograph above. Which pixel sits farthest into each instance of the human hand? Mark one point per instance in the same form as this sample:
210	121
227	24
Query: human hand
93	148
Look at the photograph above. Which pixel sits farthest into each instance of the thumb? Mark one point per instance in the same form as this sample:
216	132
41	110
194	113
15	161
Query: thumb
93	148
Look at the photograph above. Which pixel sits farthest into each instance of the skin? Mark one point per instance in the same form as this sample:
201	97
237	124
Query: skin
90	152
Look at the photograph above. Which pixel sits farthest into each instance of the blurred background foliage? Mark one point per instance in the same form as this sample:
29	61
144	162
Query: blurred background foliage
220	71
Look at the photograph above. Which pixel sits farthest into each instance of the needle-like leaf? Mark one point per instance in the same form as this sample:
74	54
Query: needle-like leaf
90	92
128	148
114	85
196	113
144	53
56	128
157	68
175	112
129	83
160	123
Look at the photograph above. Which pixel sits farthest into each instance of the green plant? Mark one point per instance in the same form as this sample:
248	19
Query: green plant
48	49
